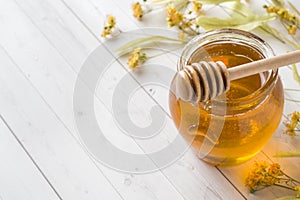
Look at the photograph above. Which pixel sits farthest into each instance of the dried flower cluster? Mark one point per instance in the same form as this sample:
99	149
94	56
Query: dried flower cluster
110	25
289	19
182	14
137	10
292	124
263	174
136	58
185	18
197	6
175	18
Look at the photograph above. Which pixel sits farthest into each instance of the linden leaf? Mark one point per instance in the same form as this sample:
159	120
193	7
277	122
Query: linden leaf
238	9
295	73
244	23
295	153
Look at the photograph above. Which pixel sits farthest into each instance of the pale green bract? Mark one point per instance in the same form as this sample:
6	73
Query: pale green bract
238	9
138	42
241	17
244	23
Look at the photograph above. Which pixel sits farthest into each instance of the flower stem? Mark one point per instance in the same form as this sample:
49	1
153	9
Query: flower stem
292	179
283	186
162	53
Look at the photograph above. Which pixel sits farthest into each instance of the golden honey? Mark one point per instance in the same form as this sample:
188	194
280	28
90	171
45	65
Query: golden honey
237	125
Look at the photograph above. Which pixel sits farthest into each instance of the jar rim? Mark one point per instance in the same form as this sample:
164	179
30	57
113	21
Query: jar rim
225	34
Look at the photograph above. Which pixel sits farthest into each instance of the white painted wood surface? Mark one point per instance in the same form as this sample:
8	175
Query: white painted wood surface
43	45
19	172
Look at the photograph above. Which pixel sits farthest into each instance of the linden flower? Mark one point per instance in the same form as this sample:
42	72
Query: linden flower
292	124
136	58
181	36
263	175
289	18
197	6
292	18
292	29
111	21
174	18
137	10
110	25
283	13
106	31
271	8
297	189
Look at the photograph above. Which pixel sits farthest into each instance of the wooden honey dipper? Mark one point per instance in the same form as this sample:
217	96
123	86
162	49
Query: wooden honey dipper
199	82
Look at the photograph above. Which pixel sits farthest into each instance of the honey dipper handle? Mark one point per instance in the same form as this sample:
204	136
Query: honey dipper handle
263	65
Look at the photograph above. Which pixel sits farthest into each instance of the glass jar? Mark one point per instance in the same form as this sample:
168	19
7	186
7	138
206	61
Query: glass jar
233	127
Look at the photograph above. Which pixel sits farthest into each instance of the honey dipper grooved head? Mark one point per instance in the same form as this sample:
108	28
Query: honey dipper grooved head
202	81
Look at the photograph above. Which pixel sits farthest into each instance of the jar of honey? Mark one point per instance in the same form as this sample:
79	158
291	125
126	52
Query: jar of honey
233	127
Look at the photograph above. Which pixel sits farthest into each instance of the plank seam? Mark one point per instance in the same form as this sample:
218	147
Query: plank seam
30	157
231	183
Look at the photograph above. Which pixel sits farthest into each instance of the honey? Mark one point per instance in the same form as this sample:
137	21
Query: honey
236	126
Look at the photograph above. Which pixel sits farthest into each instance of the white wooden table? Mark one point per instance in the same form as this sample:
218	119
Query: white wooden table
43	45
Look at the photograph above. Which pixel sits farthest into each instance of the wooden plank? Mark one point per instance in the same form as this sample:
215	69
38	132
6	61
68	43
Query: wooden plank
18	172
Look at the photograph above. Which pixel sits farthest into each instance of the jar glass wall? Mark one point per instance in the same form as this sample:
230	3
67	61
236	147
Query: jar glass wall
232	128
